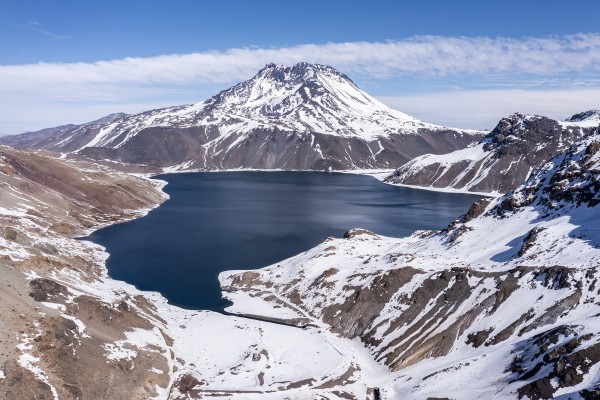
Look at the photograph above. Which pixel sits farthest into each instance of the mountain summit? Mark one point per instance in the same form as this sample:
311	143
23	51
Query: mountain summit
307	116
311	98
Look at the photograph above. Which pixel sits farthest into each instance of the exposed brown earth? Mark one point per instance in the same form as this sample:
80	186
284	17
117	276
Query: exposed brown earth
56	200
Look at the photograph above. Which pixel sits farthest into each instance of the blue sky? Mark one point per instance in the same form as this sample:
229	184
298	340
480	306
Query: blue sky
461	63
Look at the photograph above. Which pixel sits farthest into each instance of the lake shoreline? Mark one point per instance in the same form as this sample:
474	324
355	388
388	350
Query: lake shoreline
267	218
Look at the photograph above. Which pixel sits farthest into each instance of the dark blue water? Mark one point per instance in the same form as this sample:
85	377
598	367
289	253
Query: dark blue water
239	220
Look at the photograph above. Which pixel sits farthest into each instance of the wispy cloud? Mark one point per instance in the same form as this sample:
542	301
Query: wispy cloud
39	28
424	55
560	62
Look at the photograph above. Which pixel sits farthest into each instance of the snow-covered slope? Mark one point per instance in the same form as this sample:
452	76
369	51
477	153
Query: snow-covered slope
39	139
589	119
307	116
305	98
503	303
502	159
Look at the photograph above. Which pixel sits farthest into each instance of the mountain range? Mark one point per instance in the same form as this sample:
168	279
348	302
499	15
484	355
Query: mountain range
312	117
502	303
307	116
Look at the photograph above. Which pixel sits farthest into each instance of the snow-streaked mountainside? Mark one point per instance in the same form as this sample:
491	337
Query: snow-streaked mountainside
502	159
305	99
590	118
32	138
307	116
503	303
70	332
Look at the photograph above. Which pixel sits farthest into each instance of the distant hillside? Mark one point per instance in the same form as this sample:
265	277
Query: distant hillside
503	158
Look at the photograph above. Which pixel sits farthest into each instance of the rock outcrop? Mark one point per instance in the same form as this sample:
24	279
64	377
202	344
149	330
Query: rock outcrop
503	159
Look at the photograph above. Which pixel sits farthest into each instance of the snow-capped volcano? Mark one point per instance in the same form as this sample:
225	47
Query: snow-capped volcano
310	98
306	116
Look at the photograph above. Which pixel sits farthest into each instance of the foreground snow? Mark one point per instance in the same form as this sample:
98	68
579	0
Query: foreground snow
234	356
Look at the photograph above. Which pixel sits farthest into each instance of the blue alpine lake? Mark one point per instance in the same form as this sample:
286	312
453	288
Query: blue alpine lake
242	220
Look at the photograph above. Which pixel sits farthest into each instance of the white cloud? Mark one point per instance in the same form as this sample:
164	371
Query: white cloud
481	109
434	55
36	95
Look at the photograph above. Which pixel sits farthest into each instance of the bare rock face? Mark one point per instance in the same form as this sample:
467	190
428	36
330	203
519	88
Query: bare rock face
365	304
188	386
21	383
569	355
308	117
569	180
43	289
591	116
503	159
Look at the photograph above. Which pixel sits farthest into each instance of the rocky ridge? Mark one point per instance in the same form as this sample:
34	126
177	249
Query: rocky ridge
502	159
30	139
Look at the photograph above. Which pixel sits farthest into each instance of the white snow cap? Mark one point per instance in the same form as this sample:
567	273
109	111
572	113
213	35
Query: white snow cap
312	98
588	118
